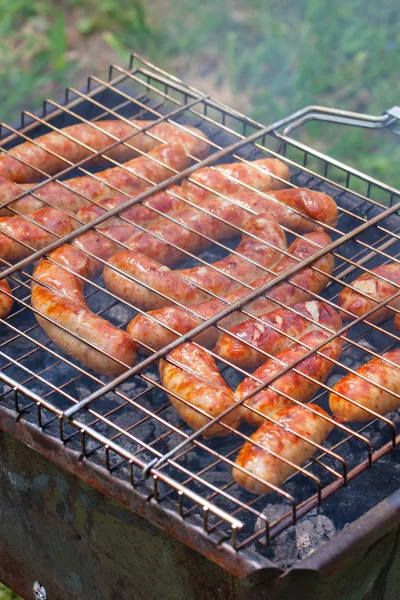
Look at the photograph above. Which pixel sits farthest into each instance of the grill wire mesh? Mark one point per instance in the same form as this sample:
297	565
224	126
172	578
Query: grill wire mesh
129	424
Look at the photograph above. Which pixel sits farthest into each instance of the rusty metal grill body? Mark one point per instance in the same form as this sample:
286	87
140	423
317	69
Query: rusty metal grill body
126	427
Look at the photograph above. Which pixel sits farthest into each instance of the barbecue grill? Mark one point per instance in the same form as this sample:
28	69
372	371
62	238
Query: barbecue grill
105	492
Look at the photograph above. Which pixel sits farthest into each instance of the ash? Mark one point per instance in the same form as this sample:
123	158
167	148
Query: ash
298	541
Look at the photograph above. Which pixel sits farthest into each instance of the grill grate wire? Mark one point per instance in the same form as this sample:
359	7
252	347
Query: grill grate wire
86	409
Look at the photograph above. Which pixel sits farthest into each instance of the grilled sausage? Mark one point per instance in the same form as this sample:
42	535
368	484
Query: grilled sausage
264	174
155	167
33	237
291	384
234	211
197	390
6	301
277	442
368	394
169	284
154	329
57	294
298	209
275	334
373	291
73	144
165	201
146	270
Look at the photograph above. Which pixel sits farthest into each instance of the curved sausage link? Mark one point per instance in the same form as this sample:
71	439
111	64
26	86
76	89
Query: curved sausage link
300	209
6	301
264	251
263	174
368	394
273	398
153	330
173	283
58	295
155	167
279	441
197	390
17	229
373	291
84	134
172	234
277	332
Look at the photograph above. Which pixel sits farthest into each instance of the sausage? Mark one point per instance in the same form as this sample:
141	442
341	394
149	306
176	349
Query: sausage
84	136
264	251
272	335
263	174
161	278
290	204
165	201
294	385
277	441
235	213
158	277
6	301
155	167
58	295
154	329
176	234
368	394
25	206
197	390
34	237
373	291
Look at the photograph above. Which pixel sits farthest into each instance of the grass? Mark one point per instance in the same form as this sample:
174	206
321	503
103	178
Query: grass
264	57
269	58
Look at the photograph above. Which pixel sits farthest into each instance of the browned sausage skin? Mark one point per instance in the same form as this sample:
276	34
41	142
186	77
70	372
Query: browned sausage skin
370	289
277	331
58	295
154	330
260	464
33	237
165	238
6	301
292	384
264	174
263	250
135	175
74	143
165	201
197	390
363	389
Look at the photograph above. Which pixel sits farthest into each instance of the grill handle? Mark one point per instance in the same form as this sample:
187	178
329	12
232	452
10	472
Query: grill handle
390	119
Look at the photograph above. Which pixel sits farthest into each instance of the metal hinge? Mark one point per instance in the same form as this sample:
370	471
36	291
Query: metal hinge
394	123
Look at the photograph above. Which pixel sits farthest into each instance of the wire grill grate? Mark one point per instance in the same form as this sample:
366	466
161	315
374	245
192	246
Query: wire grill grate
127	425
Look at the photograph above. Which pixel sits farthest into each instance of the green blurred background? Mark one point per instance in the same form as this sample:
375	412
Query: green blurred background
266	58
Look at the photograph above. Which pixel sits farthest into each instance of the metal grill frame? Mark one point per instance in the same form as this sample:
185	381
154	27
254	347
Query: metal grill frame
219	526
